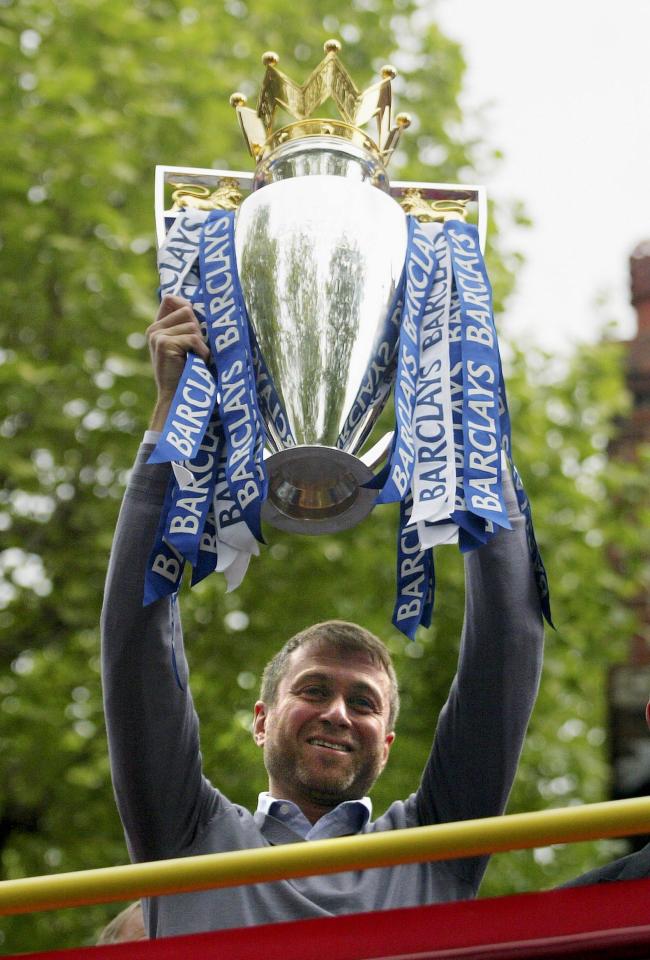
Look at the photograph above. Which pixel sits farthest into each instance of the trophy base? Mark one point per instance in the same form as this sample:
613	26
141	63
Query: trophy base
315	489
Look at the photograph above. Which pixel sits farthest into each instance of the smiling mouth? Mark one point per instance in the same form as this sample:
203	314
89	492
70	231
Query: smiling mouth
329	745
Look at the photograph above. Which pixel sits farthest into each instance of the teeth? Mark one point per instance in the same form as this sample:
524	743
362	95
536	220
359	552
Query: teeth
330	746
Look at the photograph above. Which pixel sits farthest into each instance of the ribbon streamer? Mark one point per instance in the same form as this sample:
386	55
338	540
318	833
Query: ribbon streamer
192	440
438	347
228	336
434	470
418	278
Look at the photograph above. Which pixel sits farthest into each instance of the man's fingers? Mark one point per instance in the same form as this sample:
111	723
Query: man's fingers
174	333
177	341
178	345
171	303
180	328
180	323
182	313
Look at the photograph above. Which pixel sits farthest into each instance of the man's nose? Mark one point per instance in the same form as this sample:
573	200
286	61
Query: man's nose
335	711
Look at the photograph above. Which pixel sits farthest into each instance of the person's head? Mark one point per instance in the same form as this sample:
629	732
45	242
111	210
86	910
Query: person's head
328	704
127	926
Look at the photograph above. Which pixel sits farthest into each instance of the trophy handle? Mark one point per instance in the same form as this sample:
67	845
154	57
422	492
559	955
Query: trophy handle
446	199
197	177
378	452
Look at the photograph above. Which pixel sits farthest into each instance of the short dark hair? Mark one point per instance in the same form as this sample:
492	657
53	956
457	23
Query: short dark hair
341	635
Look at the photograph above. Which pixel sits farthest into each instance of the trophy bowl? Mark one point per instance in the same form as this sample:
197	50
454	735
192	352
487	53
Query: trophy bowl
320	250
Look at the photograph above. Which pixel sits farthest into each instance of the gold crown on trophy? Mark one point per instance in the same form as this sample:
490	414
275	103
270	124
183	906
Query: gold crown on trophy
329	80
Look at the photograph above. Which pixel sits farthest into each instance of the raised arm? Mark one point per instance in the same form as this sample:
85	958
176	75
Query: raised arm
152	726
482	726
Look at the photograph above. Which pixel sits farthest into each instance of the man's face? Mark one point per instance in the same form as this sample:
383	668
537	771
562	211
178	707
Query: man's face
326	738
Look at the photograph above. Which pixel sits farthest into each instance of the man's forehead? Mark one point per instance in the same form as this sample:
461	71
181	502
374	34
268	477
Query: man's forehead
328	651
323	656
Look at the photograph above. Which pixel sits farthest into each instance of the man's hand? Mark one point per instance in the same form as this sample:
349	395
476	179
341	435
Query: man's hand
174	333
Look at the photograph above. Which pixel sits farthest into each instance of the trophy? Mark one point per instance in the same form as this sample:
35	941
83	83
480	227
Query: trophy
320	236
320	287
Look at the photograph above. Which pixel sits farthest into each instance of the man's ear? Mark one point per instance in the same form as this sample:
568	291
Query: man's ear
259	722
388	742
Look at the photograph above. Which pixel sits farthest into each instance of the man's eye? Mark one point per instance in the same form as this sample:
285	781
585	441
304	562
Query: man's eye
313	691
362	703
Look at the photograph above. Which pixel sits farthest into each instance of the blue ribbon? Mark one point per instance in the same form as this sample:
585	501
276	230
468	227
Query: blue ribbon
471	533
179	252
189	510
432	421
415	579
196	391
207	556
419	271
227	325
189	414
165	567
482	482
481	427
379	374
219	434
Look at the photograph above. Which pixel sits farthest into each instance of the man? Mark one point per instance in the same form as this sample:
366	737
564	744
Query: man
324	720
126	927
636	866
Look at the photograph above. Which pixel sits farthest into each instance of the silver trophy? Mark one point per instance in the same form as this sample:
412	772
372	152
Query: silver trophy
321	241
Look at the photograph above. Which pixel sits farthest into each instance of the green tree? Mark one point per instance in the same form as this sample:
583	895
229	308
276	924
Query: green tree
96	92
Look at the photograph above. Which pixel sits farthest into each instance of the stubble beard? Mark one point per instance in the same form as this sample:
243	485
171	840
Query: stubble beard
325	788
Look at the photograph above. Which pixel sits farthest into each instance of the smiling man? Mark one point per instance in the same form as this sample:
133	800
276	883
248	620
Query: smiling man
326	717
325	720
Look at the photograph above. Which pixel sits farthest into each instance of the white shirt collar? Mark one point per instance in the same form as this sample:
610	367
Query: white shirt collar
350	816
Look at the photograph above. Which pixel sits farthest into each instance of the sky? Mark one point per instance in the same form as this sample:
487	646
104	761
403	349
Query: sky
563	89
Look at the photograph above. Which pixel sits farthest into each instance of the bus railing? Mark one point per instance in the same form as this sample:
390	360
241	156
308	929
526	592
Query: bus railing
466	838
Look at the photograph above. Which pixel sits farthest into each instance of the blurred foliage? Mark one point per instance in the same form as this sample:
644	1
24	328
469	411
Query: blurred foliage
97	92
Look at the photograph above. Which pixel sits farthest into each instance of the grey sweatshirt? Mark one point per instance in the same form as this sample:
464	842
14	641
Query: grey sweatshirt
170	809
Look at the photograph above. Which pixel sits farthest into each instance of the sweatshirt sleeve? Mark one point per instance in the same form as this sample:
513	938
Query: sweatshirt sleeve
482	726
153	730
